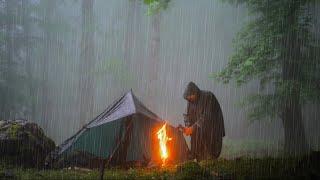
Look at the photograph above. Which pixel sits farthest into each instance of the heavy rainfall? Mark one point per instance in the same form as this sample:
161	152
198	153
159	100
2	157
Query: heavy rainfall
79	73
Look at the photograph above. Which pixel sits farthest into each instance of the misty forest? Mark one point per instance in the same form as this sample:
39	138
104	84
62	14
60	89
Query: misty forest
159	89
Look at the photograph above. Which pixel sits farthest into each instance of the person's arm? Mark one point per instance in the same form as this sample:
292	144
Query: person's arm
186	130
205	116
199	123
189	130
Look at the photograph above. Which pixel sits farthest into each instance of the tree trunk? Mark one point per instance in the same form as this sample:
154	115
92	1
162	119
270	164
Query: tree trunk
130	35
46	112
6	104
294	133
154	58
87	62
129	39
27	48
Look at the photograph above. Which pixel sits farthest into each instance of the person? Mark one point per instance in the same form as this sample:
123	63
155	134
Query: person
203	122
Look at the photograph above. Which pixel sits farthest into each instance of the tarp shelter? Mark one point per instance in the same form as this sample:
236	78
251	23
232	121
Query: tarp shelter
126	132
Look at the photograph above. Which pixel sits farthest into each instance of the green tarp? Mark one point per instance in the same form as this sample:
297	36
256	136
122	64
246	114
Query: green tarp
124	132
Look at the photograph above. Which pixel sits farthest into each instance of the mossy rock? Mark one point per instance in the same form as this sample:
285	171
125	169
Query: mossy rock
23	143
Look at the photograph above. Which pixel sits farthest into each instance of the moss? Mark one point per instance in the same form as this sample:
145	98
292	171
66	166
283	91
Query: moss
23	146
13	131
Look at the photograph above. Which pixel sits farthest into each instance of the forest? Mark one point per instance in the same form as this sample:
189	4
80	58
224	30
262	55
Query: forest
95	89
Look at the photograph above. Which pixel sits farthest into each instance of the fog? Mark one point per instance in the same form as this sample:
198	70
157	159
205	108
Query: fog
195	42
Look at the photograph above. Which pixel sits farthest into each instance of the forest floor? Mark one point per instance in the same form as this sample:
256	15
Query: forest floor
246	159
239	168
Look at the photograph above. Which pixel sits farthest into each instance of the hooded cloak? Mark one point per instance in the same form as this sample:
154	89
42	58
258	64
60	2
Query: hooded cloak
206	118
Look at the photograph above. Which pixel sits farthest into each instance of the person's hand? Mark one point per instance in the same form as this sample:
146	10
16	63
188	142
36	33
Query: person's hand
188	130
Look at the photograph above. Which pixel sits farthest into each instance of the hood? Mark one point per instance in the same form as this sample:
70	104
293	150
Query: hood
192	88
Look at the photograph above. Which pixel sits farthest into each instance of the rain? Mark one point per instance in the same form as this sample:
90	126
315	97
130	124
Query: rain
66	66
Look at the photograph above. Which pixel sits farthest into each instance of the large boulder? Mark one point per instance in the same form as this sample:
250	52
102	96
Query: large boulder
23	143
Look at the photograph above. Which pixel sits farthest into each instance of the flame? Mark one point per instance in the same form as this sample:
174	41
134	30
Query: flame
163	138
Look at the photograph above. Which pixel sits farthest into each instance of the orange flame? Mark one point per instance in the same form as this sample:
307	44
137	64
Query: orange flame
163	138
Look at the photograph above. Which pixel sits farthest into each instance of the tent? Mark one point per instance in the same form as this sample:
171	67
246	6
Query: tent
126	132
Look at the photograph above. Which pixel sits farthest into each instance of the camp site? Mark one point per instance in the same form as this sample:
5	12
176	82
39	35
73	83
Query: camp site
159	89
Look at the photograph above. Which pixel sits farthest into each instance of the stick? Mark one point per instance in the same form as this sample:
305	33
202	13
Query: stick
102	166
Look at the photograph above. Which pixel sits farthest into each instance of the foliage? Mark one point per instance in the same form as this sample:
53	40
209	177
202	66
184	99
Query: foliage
262	50
155	6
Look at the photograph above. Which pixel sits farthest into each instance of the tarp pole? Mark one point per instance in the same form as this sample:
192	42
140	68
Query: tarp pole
102	167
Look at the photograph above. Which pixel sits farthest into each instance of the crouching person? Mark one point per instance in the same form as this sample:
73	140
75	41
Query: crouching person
203	122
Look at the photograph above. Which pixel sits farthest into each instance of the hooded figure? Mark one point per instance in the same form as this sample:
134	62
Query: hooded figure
204	123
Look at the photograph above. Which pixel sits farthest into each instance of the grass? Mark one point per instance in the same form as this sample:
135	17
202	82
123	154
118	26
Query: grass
240	168
248	147
246	159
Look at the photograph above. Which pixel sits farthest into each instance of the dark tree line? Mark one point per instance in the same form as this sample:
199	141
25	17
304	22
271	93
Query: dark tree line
14	55
29	31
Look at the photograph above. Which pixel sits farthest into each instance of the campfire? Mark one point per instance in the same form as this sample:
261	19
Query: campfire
163	138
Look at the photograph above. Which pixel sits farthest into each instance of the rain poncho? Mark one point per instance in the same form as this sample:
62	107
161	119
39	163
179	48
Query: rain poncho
206	118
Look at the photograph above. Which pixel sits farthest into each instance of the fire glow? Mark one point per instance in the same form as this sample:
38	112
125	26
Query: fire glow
163	139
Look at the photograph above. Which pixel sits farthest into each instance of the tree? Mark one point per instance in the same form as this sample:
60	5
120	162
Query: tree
28	46
129	33
47	55
278	48
8	59
12	82
154	57
154	10
87	61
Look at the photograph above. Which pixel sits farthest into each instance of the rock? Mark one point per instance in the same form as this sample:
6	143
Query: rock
23	143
